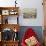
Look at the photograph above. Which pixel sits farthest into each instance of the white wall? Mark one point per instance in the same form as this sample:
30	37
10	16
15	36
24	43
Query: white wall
27	4
33	22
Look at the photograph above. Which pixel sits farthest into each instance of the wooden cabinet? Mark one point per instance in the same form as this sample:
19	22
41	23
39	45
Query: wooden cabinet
7	25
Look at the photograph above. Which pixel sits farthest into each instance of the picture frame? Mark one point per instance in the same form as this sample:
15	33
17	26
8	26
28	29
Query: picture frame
0	36
13	12
29	13
5	12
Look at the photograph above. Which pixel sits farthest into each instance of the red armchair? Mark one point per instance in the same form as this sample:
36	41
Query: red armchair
30	34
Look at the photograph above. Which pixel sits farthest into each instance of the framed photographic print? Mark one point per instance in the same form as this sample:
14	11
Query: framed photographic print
5	12
13	12
0	36
29	13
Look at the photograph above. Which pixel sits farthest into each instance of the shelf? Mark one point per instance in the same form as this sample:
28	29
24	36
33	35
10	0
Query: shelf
6	23
5	8
11	41
11	15
10	26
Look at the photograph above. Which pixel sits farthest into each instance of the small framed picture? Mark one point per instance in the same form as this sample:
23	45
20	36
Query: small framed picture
5	12
29	13
0	36
11	13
